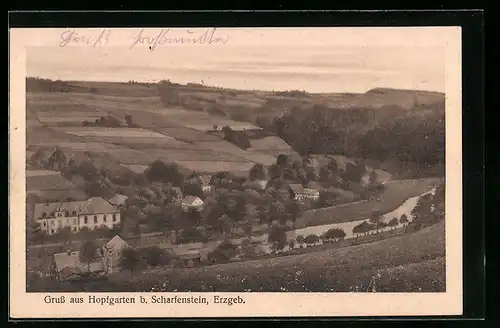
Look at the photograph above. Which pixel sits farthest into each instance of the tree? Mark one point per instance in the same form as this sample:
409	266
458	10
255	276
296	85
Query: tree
393	223
65	235
155	256
257	172
88	253
311	239
354	172
192	186
282	160
277	236
223	253
159	171
129	259
300	240
293	212
403	220
34	233
333	233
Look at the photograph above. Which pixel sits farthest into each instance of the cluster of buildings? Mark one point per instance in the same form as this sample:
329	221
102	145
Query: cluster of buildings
68	266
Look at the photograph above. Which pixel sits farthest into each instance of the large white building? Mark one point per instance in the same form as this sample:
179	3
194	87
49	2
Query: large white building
92	213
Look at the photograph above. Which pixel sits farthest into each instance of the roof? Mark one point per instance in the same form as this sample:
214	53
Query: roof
261	183
90	206
118	199
41	208
70	263
296	188
311	190
98	205
116	244
189	200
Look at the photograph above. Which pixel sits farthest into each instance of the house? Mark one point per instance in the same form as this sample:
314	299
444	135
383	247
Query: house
297	191
177	194
310	193
76	215
67	266
118	200
206	186
111	253
189	258
191	202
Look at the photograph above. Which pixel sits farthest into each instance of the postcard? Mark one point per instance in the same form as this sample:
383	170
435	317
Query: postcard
235	172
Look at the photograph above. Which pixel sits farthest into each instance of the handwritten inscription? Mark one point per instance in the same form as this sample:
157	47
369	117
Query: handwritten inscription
165	36
93	40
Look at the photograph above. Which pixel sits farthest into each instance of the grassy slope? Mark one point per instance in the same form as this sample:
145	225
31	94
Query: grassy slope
412	262
394	195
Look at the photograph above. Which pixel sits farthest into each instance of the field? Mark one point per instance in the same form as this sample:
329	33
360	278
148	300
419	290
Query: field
394	195
408	263
41	181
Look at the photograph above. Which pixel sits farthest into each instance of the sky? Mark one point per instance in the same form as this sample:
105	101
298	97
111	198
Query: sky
275	60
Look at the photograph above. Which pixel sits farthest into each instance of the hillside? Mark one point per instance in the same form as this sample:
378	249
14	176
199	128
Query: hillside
127	126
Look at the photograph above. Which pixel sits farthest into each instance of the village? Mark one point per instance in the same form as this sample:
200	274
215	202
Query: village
206	219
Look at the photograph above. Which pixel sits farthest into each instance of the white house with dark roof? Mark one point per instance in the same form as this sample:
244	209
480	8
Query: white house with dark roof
92	213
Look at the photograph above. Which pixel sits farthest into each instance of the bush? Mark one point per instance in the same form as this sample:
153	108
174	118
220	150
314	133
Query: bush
155	256
311	239
223	253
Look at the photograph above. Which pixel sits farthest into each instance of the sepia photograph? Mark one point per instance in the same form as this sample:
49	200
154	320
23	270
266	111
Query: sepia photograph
242	161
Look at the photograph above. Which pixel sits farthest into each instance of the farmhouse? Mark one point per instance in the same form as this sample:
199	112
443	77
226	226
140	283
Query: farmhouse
111	253
206	186
118	200
191	202
67	266
92	213
300	193
190	258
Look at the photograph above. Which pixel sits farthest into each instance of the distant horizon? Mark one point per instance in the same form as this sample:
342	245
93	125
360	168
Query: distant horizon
228	88
314	69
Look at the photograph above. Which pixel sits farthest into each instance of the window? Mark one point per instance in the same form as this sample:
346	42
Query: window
43	224
75	221
52	214
85	220
44	215
95	218
114	217
66	213
59	223
104	218
74	213
73	229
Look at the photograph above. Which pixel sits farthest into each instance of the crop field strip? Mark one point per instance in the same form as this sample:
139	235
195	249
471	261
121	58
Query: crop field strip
48	182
